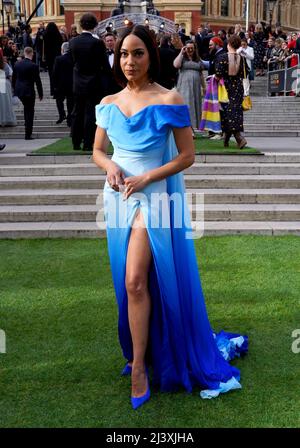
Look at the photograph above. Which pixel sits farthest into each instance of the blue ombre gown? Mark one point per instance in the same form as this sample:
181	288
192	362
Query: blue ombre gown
183	350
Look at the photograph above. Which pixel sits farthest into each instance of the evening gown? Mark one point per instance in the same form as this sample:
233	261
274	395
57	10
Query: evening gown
183	350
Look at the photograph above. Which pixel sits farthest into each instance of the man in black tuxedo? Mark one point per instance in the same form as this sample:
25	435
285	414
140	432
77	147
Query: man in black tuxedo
25	75
110	40
63	83
91	80
168	73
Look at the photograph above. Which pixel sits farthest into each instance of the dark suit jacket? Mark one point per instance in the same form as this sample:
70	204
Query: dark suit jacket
167	75
92	72
25	75
202	42
62	75
214	59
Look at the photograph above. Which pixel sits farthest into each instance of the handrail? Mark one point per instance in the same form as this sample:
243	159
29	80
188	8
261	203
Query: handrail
285	70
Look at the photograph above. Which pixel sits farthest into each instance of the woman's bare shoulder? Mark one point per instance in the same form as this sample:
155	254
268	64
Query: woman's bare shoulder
172	97
110	98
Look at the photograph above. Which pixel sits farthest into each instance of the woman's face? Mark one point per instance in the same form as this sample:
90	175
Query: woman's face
134	58
190	49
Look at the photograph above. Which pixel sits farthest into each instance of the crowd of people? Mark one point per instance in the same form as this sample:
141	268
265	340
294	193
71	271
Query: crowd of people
80	68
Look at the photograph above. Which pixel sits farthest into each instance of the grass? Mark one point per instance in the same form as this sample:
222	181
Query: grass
63	361
202	145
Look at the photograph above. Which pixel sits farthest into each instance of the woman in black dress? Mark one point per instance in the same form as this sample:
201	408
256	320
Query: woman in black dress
259	50
52	45
232	68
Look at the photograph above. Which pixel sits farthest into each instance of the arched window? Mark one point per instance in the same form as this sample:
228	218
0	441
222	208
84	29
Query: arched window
225	8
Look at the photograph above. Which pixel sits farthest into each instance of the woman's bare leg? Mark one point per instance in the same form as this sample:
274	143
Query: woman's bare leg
139	303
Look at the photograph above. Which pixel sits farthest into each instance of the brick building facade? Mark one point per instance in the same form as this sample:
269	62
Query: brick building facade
190	13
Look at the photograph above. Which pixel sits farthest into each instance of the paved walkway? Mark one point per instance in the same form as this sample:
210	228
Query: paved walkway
276	144
14	146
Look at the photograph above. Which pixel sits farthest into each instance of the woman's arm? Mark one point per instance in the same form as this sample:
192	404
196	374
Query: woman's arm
178	60
115	176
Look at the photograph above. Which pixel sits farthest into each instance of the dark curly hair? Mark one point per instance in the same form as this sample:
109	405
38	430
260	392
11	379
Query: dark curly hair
145	35
88	21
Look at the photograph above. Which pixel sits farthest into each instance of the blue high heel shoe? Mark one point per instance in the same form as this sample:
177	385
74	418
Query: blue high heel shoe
137	402
127	370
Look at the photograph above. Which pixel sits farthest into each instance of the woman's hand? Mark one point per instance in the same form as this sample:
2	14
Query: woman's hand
115	176
134	184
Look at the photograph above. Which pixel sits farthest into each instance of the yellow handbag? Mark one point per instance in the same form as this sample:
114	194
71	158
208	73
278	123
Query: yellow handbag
247	103
222	92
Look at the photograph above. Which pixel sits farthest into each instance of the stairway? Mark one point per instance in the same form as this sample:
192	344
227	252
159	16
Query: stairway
271	116
56	196
45	117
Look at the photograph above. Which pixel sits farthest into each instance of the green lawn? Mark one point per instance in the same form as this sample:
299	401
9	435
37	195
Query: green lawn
203	146
63	361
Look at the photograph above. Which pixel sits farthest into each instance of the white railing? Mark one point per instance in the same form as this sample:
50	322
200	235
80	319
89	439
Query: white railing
157	23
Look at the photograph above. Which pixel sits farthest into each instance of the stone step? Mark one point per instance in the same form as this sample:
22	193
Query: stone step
46	121
61	134
50	121
20	129
192	181
38	106
260	108
90	229
36	128
37	135
87	169
270	119
272	126
39	159
89	213
268	133
90	196
279	99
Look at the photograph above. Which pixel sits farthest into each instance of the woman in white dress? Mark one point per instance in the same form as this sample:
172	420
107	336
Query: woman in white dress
7	114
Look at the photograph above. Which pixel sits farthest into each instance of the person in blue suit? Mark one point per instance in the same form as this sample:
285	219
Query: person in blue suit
163	324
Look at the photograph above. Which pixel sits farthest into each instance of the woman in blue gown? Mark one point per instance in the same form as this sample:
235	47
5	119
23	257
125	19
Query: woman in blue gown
163	322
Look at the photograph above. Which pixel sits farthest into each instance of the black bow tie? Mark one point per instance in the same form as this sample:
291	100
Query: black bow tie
109	52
